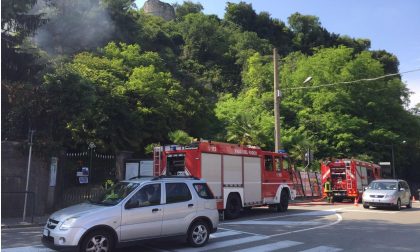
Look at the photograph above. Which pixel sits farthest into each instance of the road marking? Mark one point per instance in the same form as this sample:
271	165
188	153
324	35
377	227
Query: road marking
284	223
224	244
322	249
368	211
242	232
317	213
224	234
27	249
271	246
339	219
31	232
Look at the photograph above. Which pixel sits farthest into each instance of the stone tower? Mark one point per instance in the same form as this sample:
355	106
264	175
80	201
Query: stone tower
160	9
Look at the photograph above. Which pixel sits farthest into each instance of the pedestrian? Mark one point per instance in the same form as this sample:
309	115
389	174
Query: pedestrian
328	191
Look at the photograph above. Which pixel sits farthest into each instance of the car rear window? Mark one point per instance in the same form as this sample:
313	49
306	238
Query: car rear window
203	190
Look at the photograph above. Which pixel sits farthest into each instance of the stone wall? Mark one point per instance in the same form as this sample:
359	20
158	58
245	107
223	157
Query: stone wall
14	165
160	9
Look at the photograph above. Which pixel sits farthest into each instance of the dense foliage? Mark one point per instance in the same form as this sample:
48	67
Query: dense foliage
104	71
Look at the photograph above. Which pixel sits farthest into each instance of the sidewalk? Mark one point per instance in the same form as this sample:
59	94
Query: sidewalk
17	222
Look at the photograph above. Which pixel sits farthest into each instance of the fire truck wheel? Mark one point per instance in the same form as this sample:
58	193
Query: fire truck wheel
284	202
233	206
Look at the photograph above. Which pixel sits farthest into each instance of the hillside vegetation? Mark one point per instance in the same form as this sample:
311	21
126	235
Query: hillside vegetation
103	71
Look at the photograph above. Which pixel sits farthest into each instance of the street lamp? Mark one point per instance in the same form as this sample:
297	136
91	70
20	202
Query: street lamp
91	146
31	134
307	80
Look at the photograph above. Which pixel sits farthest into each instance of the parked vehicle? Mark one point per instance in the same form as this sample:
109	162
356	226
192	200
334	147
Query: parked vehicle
135	210
349	177
387	193
239	176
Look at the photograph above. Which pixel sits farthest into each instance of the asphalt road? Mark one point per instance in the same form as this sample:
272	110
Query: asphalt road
338	227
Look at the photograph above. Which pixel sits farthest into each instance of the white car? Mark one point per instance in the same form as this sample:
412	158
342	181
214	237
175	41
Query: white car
387	193
135	210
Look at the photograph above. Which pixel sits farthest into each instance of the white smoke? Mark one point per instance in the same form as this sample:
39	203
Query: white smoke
73	26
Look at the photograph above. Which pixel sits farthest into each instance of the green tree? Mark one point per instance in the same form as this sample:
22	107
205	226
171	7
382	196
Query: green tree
180	137
21	65
308	32
187	7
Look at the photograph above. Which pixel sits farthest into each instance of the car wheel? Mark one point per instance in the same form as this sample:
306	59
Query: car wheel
410	204
198	234
366	206
398	206
233	207
98	240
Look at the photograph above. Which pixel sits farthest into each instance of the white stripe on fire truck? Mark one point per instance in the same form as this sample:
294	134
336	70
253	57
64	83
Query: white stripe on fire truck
326	174
271	246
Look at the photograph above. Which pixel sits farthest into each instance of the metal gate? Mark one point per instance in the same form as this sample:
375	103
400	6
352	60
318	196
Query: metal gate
82	175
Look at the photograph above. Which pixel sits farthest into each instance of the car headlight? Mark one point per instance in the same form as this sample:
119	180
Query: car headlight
389	196
68	223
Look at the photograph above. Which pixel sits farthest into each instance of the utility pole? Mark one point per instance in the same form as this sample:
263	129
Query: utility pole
31	134
277	97
393	162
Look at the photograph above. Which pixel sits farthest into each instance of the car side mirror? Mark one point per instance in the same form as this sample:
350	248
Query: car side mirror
364	189
131	204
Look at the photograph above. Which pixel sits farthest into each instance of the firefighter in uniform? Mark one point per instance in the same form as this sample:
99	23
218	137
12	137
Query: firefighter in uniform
328	190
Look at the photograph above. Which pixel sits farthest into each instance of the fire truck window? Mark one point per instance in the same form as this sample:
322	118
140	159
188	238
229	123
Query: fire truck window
268	163
278	164
176	165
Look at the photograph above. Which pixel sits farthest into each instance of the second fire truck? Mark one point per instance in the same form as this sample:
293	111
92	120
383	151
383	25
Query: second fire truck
239	176
349	177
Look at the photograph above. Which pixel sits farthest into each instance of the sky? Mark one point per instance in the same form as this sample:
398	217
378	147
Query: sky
391	25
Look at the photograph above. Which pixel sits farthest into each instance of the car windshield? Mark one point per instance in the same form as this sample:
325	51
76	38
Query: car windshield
377	185
115	194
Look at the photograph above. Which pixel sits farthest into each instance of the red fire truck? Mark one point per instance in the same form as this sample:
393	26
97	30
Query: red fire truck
239	176
349	177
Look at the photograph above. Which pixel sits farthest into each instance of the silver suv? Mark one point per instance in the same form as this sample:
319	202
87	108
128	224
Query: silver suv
136	210
387	193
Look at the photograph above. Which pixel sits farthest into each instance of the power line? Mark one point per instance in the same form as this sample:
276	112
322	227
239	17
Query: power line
351	82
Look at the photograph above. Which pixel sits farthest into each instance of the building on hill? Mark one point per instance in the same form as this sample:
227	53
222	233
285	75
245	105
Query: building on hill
160	9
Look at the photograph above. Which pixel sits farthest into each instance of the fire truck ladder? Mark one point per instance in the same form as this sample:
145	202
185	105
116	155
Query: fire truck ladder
157	160
297	183
349	181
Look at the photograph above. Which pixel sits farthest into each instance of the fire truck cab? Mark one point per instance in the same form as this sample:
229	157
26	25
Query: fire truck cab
239	176
349	177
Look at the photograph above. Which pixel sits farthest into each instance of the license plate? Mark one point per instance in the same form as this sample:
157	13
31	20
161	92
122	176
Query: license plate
46	232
